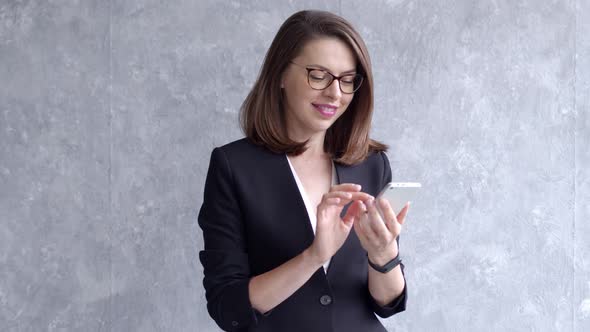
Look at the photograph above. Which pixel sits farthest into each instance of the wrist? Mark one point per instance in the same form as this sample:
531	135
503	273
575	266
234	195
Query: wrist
311	259
381	258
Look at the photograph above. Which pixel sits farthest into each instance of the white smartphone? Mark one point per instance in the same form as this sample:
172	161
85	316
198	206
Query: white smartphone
398	194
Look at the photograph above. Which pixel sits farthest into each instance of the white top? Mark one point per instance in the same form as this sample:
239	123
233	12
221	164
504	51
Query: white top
312	210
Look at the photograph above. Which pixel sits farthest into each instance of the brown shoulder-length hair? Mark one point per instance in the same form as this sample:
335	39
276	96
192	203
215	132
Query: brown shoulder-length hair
262	115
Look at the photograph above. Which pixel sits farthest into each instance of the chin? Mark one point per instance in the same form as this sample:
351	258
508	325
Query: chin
325	126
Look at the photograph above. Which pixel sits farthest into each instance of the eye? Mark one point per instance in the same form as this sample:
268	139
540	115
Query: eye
317	75
348	79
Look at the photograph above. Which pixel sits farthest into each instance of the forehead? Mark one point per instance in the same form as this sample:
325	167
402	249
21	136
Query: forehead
329	52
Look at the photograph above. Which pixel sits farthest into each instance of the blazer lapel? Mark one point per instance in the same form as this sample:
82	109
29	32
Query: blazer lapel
293	201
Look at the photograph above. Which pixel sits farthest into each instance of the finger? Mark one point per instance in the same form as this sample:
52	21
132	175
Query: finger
343	198
346	197
353	213
389	215
358	228
346	187
401	217
376	223
365	222
332	201
340	194
361	196
354	210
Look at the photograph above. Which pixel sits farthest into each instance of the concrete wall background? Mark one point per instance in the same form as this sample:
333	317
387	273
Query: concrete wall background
109	111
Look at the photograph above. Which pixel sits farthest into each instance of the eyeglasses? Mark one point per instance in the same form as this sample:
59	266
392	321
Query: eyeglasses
319	79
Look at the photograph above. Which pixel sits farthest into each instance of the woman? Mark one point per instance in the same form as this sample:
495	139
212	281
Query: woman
293	238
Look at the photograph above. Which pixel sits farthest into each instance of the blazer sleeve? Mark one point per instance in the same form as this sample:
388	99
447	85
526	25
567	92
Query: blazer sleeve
224	258
399	303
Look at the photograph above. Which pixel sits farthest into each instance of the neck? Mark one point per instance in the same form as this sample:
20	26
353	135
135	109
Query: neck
315	148
315	140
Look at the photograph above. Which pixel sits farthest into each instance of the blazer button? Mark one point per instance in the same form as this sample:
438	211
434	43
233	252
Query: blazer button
326	300
234	323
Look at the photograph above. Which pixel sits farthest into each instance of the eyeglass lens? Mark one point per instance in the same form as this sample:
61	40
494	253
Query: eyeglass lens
320	80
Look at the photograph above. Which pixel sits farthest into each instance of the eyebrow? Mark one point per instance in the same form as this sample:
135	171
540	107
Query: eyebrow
326	69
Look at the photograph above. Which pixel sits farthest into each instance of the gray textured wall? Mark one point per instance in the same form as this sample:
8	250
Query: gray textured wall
109	110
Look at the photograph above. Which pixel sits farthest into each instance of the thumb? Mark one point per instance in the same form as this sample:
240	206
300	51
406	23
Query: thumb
401	217
351	214
354	209
348	220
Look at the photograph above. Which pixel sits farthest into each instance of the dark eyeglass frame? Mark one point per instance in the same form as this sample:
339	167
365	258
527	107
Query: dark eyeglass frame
333	77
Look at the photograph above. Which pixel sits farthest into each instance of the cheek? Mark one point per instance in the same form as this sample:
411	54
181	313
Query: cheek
298	93
346	100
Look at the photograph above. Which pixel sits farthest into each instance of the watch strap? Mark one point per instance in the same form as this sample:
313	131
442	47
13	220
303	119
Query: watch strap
388	266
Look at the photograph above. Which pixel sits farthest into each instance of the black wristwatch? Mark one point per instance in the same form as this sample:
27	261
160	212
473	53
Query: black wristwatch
388	266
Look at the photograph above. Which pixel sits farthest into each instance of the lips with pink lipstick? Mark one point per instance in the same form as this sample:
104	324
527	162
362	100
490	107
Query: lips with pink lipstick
326	110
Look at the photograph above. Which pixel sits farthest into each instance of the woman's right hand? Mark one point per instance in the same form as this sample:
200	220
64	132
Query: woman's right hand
331	230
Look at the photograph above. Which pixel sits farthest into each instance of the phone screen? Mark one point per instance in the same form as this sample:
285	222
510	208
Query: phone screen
399	193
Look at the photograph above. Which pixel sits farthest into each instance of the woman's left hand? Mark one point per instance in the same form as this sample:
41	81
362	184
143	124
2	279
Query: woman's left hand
378	236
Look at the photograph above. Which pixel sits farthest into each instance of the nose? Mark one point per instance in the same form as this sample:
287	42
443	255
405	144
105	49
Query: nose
333	90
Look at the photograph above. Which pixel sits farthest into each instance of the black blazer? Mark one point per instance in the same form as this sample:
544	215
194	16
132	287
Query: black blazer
254	219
